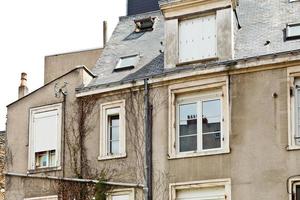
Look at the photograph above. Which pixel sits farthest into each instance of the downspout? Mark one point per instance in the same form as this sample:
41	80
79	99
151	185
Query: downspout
148	143
64	149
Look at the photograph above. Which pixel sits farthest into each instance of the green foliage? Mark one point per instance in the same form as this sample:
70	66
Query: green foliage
101	188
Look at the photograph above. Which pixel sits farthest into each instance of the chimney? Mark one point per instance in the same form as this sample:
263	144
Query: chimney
104	33
23	90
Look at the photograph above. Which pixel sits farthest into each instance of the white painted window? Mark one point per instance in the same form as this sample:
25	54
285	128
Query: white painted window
294	188
197	38
201	190
121	194
293	31
199	123
112	130
199	118
43	198
127	62
45	134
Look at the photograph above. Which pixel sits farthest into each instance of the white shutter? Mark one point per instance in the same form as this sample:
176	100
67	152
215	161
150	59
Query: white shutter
45	127
197	38
209	193
120	197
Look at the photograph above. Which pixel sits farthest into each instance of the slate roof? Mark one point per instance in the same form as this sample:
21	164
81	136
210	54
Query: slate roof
124	42
261	21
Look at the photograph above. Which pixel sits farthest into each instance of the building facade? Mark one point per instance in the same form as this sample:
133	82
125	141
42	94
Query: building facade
198	100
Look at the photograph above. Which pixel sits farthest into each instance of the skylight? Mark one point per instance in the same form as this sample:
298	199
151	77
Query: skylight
127	62
293	31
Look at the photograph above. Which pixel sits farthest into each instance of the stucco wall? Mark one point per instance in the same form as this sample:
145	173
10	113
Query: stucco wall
57	65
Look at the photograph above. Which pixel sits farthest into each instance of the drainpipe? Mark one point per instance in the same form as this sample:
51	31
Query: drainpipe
148	143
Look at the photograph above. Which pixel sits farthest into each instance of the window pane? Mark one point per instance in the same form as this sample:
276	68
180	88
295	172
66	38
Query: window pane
188	119
114	133
298	116
211	141
297	192
211	117
115	120
114	147
188	143
52	158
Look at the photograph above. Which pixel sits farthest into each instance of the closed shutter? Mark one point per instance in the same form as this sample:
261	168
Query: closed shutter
120	197
211	193
197	38
45	126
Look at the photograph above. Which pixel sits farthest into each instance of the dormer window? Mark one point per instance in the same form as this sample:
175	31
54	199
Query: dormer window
127	62
197	38
145	24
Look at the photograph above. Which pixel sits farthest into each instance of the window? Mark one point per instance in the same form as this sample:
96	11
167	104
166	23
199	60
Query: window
202	190
293	108
199	125
294	188
197	39
127	62
121	194
199	118
43	198
112	130
45	134
293	31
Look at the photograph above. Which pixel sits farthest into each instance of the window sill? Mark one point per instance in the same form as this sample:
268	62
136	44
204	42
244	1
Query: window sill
112	157
42	170
293	147
199	154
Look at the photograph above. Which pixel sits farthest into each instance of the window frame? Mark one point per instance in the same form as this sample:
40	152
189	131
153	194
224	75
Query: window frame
292	183
174	187
31	153
295	37
199	99
42	198
115	192
103	145
199	16
293	73
118	66
214	85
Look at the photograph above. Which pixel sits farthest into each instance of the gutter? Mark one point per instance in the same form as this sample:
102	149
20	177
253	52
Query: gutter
136	185
201	69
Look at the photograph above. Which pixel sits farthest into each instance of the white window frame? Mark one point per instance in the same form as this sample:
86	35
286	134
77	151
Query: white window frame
174	187
116	192
103	148
31	153
198	99
216	85
292	186
288	27
216	42
293	73
42	198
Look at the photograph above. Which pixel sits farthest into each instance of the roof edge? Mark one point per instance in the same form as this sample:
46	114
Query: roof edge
76	68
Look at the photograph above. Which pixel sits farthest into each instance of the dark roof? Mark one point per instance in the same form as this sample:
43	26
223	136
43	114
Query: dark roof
256	17
147	45
2	132
141	6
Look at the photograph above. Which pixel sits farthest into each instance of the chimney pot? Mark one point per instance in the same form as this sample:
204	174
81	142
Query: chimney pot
23	90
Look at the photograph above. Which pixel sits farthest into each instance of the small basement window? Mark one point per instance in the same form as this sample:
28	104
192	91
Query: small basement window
293	31
127	62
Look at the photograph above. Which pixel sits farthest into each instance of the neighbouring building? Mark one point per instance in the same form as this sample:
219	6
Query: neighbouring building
2	164
196	100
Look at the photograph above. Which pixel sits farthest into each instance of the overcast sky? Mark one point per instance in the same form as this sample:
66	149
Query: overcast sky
32	29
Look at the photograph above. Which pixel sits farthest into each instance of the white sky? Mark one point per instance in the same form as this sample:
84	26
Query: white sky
32	29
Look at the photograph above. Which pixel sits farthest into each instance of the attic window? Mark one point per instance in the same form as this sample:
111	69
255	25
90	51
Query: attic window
143	25
293	31
127	62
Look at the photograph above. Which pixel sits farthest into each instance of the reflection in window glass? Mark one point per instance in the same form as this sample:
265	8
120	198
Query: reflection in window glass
114	140
211	124
188	127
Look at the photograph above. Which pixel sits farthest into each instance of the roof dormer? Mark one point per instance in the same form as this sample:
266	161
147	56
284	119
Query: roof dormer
198	31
